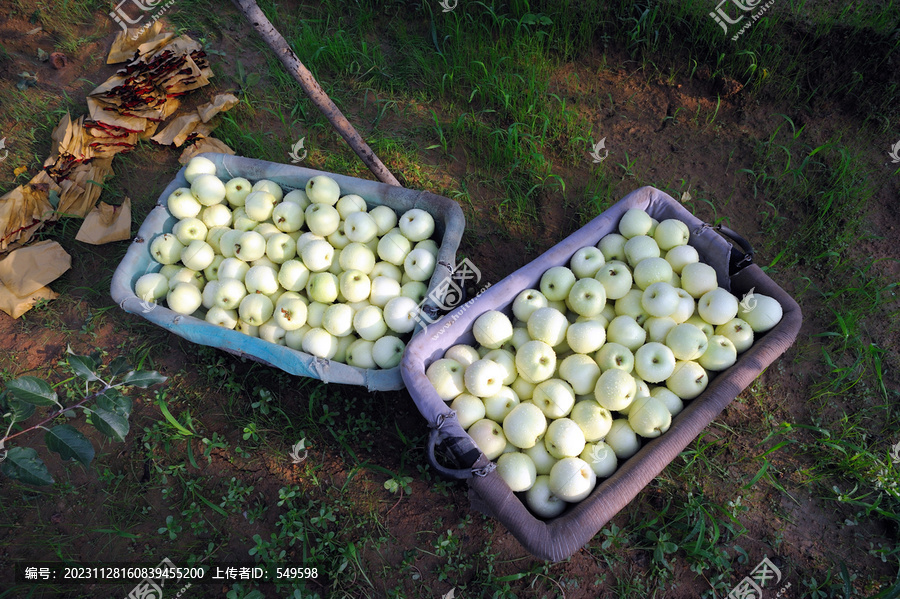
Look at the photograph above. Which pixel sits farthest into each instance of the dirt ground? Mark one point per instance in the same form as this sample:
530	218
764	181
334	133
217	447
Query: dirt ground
680	155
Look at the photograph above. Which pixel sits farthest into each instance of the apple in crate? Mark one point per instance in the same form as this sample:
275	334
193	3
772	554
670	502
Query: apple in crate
184	298
237	190
166	249
572	479
542	501
761	312
151	287
322	189
416	224
208	189
517	470
199	166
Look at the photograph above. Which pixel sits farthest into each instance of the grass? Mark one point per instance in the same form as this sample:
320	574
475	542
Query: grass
487	105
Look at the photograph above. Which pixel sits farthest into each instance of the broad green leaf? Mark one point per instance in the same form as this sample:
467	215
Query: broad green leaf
23	463
118	366
83	366
114	401
143	378
32	390
70	444
20	410
113	425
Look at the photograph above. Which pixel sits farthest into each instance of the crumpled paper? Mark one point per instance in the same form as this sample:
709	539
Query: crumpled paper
23	209
221	103
124	48
126	108
25	273
16	306
106	223
204	144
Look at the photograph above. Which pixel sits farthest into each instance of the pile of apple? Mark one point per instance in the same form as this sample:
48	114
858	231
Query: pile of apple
602	355
309	269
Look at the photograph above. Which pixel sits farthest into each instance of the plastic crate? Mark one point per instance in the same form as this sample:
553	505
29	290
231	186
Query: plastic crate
449	227
559	538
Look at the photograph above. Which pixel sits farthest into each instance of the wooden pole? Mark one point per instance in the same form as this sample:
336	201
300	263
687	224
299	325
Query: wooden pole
312	88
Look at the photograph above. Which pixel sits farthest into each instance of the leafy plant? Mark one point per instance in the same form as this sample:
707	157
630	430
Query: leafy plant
108	413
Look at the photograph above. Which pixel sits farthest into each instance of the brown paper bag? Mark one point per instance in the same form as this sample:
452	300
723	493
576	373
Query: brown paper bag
26	270
106	223
16	306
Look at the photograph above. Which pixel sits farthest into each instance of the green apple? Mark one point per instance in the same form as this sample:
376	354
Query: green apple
652	270
622	439
614	356
739	332
489	437
761	312
497	407
587	297
237	190
564	438
524	425
526	302
182	203
208	189
554	397
166	249
586	262
184	298
719	355
198	165
601	458
324	190
572	479
556	282
688	380
654	362
536	361
469	409
541	501
615	389
616	278
492	329
697	278
580	372
635	222
256	309
649	417
320	343
686	341
613	247
586	336
593	419
717	306
517	470
447	378
483	378
639	248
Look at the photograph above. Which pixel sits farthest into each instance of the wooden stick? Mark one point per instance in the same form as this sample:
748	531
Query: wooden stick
312	88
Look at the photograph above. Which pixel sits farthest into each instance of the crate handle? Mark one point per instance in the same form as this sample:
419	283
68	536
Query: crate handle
455	445
738	259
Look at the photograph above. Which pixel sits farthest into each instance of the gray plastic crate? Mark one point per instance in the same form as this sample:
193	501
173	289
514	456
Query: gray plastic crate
559	538
449	227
